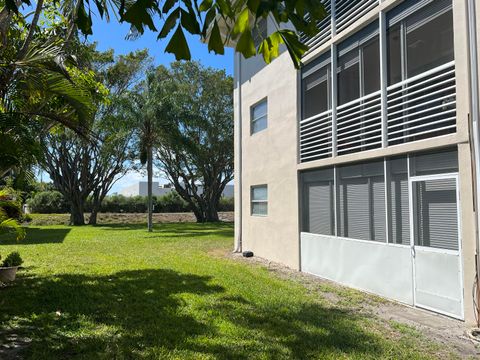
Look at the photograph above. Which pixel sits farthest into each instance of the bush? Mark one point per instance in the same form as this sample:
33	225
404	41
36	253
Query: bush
226	204
48	202
170	202
10	204
12	259
123	204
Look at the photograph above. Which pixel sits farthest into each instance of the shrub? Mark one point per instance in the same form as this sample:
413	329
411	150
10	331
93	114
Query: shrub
170	202
12	259
10	204
11	212
226	204
48	202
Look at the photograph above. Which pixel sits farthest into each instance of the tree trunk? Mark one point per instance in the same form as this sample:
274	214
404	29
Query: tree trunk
76	214
199	215
96	203
150	179
93	216
211	209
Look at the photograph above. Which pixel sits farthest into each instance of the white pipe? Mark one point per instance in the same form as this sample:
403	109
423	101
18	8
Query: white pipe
238	151
475	115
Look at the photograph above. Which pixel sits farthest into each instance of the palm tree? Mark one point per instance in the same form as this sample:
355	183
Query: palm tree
146	108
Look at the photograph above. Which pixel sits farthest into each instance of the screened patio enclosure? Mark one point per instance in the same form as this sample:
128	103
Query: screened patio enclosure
387	226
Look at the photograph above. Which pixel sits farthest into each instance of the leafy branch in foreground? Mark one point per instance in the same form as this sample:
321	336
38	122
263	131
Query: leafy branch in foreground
217	22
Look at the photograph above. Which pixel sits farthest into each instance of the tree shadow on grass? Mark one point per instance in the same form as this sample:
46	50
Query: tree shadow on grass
111	315
178	230
35	236
151	313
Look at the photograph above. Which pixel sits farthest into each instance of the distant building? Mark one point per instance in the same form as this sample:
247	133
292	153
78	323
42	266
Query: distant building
141	189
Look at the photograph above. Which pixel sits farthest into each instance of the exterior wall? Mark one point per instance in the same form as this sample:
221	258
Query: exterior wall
269	157
141	189
131	190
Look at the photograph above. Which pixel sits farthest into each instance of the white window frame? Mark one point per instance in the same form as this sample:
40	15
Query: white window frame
254	120
253	201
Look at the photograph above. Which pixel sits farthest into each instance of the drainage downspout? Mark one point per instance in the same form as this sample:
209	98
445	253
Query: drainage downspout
238	152
472	32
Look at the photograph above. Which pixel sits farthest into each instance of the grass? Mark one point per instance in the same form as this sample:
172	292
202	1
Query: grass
119	292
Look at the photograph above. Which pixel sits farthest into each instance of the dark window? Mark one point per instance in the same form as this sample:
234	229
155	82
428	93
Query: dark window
419	40
394	55
316	92
429	43
348	77
371	67
359	65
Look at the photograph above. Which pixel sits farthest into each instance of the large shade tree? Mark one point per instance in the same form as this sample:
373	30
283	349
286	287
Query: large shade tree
195	138
82	167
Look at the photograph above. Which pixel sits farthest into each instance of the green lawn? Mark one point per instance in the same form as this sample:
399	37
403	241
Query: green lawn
118	292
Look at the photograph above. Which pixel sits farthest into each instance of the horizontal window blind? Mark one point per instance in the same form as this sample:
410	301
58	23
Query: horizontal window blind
320	219
436	214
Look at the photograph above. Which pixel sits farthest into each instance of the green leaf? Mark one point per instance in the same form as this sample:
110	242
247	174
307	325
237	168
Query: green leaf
169	23
100	8
189	22
253	6
215	42
178	45
168	6
208	20
225	8
245	44
205	5
300	7
12	6
242	23
84	20
269	48
139	16
295	48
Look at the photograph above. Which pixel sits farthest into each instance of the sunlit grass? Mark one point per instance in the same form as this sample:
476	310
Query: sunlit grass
117	291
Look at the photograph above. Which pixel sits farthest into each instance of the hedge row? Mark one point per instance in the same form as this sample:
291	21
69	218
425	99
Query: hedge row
51	202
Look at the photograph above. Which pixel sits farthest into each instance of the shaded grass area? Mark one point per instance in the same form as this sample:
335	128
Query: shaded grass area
119	292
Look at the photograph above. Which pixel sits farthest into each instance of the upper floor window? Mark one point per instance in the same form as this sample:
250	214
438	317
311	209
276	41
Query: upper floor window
259	200
258	114
358	72
420	38
316	87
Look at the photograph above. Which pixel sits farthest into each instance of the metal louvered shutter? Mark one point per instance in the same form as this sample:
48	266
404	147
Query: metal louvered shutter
354	212
399	221
436	213
320	208
378	210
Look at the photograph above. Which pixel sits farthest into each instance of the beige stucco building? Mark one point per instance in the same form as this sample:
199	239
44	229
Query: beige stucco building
367	175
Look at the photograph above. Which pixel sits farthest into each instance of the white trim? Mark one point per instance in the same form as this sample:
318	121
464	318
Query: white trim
457	253
381	243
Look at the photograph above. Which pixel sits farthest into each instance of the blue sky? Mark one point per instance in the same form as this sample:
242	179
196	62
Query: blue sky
112	36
